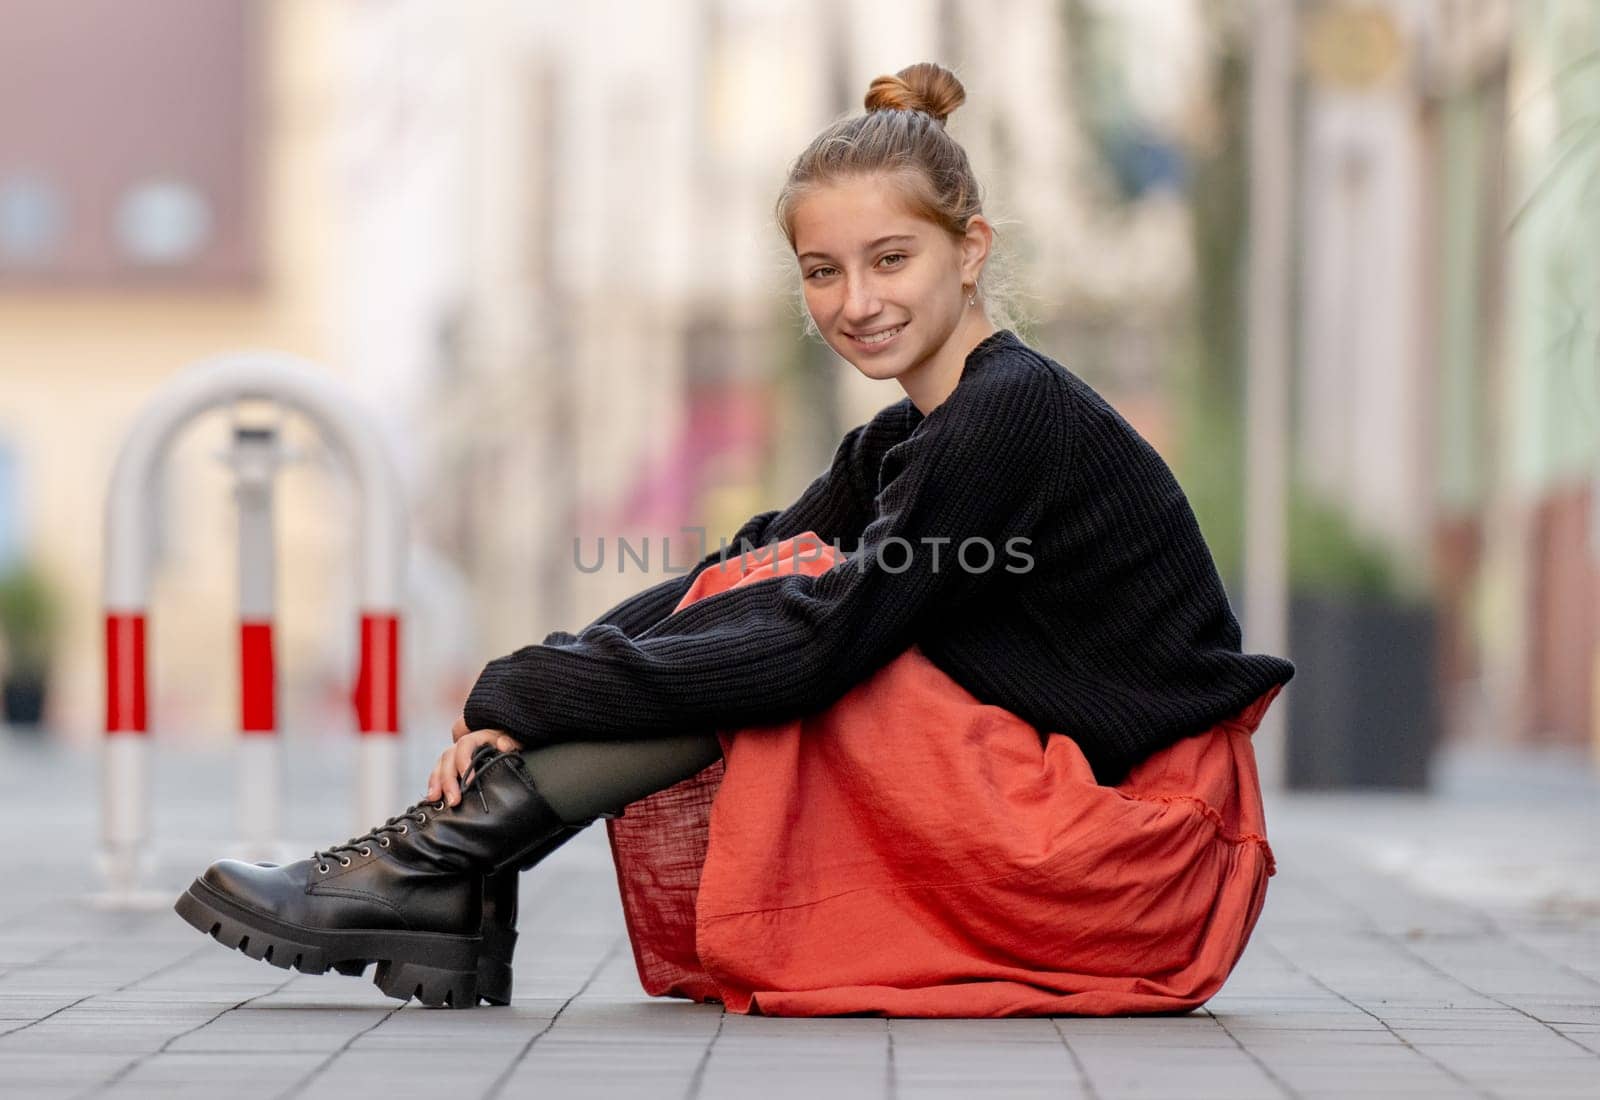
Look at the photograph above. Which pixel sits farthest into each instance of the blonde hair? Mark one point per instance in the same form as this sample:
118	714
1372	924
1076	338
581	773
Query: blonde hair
902	134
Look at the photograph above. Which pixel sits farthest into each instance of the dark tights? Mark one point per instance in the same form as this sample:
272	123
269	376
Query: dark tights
582	779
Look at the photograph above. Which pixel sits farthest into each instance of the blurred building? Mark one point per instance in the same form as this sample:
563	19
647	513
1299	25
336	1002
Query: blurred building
1516	104
165	197
1448	392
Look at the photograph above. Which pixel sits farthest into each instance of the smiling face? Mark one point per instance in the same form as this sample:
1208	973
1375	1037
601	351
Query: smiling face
884	286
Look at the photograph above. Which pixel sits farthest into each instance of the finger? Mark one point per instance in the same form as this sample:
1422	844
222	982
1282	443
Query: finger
435	782
441	771
496	738
459	730
450	786
461	761
461	765
500	739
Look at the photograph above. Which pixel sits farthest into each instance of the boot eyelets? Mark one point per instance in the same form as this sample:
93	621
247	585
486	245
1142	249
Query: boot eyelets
422	819
383	841
322	868
364	850
439	805
344	863
404	830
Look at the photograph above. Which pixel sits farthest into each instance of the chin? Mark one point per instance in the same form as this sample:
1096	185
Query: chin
879	370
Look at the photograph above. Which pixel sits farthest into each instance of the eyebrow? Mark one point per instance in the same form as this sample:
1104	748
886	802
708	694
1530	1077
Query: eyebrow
869	248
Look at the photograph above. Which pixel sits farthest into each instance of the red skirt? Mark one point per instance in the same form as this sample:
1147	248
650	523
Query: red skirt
911	851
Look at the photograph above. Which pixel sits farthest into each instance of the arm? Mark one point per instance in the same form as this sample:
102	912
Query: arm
978	466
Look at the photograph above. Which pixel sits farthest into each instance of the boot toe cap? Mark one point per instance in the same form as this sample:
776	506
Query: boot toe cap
258	886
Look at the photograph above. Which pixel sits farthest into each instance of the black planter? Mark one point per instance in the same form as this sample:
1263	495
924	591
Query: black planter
1363	705
23	698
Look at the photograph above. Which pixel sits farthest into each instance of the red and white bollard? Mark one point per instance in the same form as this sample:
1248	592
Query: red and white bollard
298	385
255	458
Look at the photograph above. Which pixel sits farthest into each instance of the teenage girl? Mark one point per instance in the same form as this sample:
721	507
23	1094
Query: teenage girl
993	760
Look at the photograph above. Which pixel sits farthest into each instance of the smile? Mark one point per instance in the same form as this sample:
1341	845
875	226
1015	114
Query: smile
878	339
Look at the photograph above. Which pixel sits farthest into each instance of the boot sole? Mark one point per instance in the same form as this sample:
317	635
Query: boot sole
438	969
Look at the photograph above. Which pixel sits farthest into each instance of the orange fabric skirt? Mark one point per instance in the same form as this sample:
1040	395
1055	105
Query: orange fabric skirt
911	851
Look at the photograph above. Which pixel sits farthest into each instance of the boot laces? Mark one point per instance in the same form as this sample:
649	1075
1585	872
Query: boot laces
400	824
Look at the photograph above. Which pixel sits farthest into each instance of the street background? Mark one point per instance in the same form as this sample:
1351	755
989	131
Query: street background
1357	311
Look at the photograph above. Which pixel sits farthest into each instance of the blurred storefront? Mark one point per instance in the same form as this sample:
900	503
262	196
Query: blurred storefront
1517	539
1448	398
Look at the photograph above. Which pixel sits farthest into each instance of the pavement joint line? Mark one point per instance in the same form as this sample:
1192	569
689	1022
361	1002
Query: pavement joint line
698	1078
891	1083
1271	1075
162	969
1488	925
42	960
1368	925
1090	1092
305	1081
128	1068
1372	929
1510	933
1405	1042
1464	984
499	1083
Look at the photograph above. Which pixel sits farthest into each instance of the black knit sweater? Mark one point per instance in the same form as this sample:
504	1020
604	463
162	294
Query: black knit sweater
1085	599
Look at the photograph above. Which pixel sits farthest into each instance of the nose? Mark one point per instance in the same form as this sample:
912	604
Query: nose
860	302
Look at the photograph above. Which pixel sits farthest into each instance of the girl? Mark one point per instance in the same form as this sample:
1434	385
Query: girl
995	760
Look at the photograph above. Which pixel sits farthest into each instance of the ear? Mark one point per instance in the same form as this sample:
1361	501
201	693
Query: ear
975	247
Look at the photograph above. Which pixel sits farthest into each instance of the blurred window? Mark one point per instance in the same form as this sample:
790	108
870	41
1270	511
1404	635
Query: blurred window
32	220
129	142
163	222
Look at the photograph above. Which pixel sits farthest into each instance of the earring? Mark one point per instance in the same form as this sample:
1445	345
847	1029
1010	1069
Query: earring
972	299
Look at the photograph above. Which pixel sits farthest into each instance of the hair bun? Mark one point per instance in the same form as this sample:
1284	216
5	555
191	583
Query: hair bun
925	86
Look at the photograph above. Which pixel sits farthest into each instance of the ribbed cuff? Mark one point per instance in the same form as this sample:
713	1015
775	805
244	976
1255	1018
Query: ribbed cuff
497	702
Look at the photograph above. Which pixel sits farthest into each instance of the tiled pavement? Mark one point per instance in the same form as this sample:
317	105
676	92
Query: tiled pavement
1410	946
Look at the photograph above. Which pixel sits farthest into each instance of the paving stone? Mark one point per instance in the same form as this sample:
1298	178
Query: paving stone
1381	966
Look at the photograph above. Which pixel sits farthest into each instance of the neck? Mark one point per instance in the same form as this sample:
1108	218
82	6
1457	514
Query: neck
933	380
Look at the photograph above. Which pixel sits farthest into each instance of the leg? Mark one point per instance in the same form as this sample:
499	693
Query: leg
584	779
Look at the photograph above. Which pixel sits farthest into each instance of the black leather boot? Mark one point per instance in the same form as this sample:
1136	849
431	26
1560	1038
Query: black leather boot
410	895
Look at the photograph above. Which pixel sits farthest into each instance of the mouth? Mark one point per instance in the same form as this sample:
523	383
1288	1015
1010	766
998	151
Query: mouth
882	338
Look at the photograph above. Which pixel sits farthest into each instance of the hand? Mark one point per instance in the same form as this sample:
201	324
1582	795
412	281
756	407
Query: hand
455	762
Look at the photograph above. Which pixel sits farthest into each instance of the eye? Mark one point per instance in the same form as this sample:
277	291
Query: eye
901	256
818	270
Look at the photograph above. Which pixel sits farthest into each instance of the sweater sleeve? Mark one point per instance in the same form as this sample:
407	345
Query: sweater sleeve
979	466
